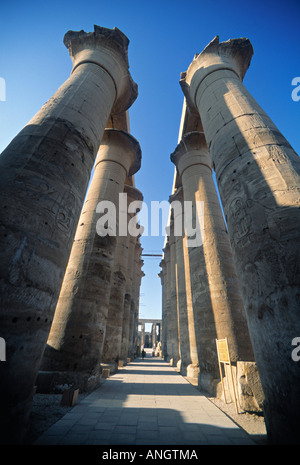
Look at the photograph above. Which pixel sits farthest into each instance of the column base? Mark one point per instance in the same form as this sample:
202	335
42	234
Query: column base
249	393
15	423
192	372
112	366
208	383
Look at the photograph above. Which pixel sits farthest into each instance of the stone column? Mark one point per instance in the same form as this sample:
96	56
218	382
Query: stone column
45	171
76	339
143	335
163	336
181	288
173	334
138	273
167	348
257	173
133	194
218	305
114	323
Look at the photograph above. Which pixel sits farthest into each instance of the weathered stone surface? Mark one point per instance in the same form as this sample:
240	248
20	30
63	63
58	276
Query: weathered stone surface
44	175
258	178
133	194
217	302
173	335
181	288
250	391
76	339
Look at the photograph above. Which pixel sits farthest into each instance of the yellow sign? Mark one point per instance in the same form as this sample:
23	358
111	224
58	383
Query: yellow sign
223	356
223	351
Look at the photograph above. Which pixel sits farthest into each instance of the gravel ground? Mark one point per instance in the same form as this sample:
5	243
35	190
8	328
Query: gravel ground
253	423
46	410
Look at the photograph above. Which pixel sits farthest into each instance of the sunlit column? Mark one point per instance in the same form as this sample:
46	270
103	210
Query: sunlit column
173	335
75	343
139	274
44	175
166	320
217	303
163	334
133	195
114	322
181	290
257	172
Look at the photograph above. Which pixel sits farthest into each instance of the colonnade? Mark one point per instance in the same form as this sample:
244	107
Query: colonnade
155	333
238	279
70	283
70	289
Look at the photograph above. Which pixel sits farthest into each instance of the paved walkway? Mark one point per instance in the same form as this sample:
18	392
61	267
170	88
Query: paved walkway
145	403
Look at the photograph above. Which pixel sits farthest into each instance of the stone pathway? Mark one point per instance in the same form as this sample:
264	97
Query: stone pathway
145	403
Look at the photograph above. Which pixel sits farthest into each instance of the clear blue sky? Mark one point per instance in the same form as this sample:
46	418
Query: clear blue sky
164	36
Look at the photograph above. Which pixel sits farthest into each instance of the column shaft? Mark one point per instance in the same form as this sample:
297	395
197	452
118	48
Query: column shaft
172	313
217	301
76	339
44	175
168	348
258	178
181	287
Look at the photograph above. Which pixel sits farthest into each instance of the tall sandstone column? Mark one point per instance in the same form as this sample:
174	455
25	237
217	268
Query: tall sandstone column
166	251
44	175
173	335
258	178
76	339
133	195
114	323
163	333
181	287
138	274
217	301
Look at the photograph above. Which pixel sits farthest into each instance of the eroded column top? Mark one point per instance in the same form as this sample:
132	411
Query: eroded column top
120	147
191	150
107	48
133	193
234	55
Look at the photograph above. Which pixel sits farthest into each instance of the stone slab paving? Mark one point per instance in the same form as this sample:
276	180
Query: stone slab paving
145	403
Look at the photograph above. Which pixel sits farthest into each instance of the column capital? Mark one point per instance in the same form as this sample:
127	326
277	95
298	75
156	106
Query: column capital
162	264
166	251
122	148
191	150
234	55
107	48
177	195
133	193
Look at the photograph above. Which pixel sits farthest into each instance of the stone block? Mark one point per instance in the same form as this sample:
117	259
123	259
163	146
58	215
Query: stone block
105	373
69	397
250	391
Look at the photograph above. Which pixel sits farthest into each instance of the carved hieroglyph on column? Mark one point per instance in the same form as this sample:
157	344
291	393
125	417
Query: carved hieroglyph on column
217	301
44	175
257	172
76	339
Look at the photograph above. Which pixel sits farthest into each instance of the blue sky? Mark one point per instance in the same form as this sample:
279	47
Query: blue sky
164	36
